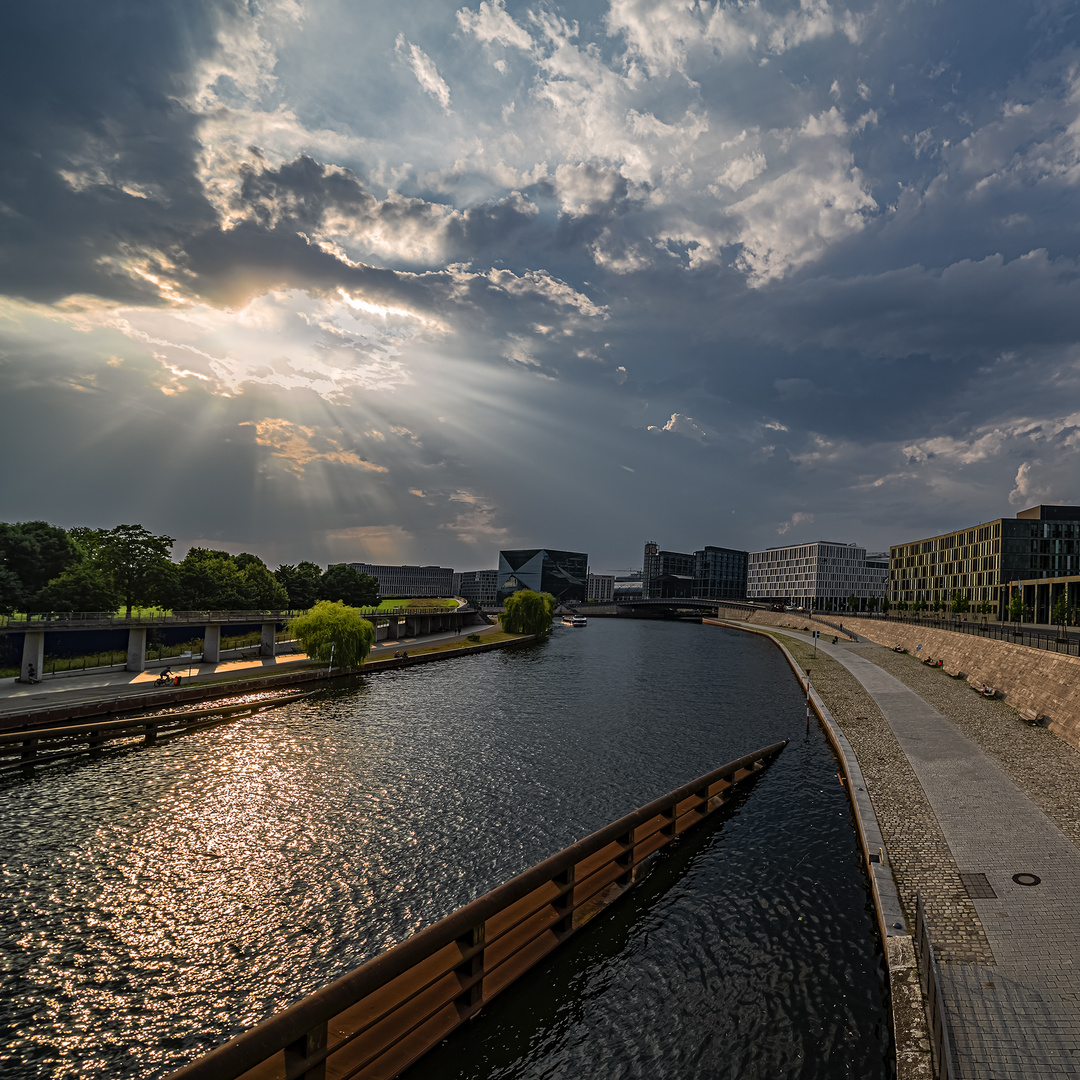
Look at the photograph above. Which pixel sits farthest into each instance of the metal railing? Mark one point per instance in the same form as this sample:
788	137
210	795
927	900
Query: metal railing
57	620
930	979
1049	640
383	1016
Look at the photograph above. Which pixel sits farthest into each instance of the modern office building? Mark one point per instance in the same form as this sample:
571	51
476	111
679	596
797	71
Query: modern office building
720	574
713	573
409	581
979	562
600	588
821	574
479	587
564	574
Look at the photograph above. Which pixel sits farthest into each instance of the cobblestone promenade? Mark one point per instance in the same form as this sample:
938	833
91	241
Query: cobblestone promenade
963	786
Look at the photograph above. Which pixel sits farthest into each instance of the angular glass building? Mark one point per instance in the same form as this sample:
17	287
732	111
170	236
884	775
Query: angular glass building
564	574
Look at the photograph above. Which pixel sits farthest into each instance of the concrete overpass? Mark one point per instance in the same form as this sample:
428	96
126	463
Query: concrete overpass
388	624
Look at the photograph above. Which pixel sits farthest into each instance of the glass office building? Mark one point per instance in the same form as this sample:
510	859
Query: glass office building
564	574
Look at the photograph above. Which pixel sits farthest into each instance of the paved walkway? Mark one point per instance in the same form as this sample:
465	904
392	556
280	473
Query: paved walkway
1019	1015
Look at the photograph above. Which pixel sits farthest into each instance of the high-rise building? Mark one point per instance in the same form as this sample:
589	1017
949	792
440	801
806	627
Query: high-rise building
978	562
564	574
713	573
819	574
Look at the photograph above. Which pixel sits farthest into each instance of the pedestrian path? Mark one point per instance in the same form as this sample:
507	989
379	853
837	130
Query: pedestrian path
1018	1017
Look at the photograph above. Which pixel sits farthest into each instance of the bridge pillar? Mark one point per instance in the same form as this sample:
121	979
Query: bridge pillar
382	631
266	646
33	655
211	646
136	650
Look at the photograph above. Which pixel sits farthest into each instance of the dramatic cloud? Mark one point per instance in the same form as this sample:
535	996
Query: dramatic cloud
413	288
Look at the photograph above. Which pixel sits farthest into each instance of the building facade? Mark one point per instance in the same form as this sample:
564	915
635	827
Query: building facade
564	574
978	563
408	581
822	574
713	573
479	587
600	588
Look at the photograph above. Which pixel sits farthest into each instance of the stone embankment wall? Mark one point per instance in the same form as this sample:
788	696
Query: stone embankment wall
790	620
1034	682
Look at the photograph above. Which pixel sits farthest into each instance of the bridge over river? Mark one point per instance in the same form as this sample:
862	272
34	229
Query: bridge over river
412	621
159	900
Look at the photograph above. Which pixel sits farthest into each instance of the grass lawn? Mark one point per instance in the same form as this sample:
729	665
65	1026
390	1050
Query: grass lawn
461	643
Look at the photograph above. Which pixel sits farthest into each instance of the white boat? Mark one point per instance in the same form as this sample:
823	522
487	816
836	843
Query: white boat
578	620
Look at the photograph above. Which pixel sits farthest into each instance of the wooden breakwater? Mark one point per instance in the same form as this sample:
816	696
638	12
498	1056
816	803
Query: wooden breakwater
380	1018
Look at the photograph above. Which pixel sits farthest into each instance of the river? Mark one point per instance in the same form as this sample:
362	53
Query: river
158	900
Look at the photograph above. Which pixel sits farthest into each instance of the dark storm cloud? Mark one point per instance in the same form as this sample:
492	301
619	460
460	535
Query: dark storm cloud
89	110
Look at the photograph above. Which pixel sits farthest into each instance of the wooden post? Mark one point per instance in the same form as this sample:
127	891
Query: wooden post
303	1048
564	904
626	859
472	997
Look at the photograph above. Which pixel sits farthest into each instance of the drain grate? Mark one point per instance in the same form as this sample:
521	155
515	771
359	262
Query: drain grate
978	888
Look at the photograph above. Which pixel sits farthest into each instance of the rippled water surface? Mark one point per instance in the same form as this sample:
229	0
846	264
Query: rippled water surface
156	901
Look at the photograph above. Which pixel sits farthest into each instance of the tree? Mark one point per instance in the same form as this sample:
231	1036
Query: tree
528	612
1017	608
960	604
217	581
853	602
886	604
136	560
301	582
31	554
985	607
1059	613
334	625
343	583
80	588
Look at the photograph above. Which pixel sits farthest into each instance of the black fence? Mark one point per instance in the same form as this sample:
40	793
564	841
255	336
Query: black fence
1051	639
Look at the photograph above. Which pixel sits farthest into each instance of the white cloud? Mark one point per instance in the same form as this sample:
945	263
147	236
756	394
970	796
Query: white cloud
683	425
423	67
491	23
796	519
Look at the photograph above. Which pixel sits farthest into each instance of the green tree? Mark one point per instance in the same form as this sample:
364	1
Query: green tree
960	604
136	560
212	580
32	553
1059	613
886	604
985	607
853	602
80	588
528	612
1017	608
301	582
343	583
334	625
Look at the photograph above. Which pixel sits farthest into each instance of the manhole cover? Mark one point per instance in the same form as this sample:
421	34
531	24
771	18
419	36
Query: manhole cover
1027	879
978	888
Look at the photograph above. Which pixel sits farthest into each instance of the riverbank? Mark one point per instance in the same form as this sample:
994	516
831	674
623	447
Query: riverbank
125	692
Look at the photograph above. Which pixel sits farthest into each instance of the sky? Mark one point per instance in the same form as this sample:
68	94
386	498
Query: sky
411	283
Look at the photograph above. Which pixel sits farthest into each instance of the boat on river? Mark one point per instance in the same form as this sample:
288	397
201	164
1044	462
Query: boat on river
575	620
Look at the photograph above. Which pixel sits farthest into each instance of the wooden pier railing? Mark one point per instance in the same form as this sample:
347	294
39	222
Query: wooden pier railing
380	1018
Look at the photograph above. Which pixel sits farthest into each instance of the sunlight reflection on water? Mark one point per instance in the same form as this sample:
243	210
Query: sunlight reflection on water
158	900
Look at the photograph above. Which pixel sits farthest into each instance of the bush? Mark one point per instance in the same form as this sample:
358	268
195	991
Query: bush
332	625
